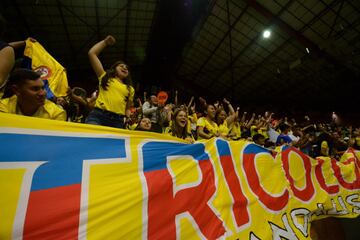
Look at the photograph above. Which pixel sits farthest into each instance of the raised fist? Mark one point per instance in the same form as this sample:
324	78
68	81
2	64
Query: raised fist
109	40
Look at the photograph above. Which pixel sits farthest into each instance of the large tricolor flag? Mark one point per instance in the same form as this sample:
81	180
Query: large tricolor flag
61	180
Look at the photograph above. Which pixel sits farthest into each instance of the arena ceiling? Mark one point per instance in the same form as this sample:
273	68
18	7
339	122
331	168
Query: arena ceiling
208	48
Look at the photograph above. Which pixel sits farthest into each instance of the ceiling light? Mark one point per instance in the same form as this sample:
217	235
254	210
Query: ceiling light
266	34
307	50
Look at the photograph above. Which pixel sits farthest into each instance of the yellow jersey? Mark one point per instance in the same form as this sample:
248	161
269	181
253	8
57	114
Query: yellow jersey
168	131
253	130
223	128
209	128
235	130
49	110
114	99
263	131
192	120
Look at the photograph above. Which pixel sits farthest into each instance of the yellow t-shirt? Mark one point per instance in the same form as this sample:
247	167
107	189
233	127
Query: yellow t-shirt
223	128
208	127
263	131
49	110
357	139
114	98
235	130
132	126
192	119
324	150
253	130
168	131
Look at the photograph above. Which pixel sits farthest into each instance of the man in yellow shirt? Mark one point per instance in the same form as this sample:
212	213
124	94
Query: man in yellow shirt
29	97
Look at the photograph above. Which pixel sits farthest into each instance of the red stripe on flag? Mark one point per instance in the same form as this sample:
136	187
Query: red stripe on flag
53	213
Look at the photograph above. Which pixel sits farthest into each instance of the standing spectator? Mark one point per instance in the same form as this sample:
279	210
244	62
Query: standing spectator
30	97
115	91
235	128
223	120
150	110
283	138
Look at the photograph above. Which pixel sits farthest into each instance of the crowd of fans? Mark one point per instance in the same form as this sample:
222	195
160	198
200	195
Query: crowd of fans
113	105
193	121
22	92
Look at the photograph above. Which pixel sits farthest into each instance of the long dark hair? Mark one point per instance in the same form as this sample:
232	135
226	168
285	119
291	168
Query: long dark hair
175	129
111	73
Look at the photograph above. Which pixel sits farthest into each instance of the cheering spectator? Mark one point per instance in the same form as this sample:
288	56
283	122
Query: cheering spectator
115	91
206	126
179	127
150	110
283	138
224	121
144	125
30	97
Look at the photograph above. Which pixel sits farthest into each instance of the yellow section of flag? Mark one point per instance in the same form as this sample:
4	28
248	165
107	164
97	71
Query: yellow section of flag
49	68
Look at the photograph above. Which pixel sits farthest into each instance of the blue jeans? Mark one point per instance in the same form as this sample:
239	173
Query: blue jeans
105	118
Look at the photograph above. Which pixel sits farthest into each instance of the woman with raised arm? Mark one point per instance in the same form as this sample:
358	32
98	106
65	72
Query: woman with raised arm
115	91
223	120
206	126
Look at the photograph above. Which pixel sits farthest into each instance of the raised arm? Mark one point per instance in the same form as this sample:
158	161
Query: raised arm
176	98
248	125
243	118
232	114
190	103
7	59
20	44
96	50
203	103
7	62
